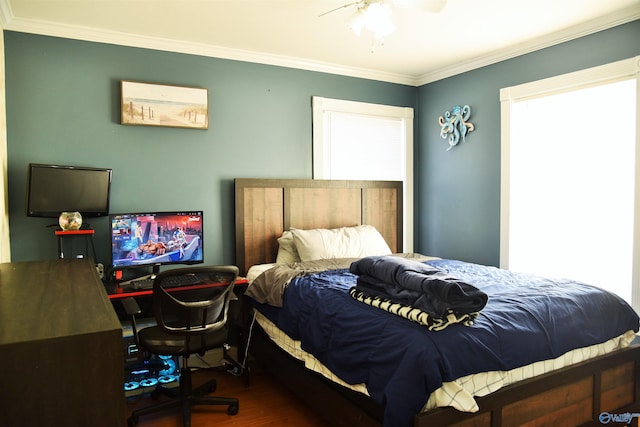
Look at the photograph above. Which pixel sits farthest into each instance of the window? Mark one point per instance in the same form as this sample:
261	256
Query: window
569	168
361	141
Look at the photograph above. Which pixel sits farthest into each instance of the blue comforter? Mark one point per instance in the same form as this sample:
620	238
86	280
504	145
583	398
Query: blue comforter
526	319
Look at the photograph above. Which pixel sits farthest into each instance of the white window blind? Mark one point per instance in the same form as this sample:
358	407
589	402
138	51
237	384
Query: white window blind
362	141
364	147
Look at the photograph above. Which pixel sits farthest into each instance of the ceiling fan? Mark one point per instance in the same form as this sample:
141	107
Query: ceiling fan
375	15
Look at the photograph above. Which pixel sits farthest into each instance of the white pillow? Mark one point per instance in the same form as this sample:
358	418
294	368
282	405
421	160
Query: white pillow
287	252
346	242
256	270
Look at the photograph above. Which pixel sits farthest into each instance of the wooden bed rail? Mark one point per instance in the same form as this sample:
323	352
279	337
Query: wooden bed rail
572	396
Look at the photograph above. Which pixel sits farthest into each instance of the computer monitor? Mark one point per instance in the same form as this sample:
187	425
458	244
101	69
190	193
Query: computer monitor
52	189
156	238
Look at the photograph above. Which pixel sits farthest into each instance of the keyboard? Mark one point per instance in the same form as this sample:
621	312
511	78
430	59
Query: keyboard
181	280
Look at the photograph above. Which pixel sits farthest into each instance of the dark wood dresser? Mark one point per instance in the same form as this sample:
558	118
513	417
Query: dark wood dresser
61	354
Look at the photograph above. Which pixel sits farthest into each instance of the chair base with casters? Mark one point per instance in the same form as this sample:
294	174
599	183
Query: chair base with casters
189	321
185	397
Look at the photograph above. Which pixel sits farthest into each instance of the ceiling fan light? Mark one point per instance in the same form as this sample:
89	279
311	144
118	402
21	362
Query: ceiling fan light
357	22
378	19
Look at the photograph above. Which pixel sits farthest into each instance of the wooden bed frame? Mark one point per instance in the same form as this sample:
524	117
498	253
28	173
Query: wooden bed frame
571	396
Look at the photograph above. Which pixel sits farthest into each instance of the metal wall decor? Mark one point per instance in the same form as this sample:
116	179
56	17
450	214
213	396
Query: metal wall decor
454	125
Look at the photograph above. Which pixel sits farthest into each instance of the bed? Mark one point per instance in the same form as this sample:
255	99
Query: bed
595	388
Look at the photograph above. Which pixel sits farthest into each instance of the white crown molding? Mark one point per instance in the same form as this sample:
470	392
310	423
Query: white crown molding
11	23
609	21
52	29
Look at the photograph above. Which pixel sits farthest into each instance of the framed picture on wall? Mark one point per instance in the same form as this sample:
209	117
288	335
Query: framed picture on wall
150	104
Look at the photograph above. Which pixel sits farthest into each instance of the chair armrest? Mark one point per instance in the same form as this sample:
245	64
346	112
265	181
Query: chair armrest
130	306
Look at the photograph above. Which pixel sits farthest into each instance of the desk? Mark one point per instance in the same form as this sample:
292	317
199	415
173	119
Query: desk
60	346
145	301
115	292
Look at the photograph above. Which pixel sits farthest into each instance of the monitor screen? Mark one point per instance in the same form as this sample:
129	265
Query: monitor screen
153	239
52	189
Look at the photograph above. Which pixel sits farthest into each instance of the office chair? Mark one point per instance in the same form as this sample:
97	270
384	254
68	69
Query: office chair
189	321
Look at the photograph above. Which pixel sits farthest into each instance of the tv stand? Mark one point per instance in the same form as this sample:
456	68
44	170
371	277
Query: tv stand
87	233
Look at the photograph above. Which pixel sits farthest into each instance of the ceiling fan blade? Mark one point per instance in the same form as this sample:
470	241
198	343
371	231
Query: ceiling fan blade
341	7
428	5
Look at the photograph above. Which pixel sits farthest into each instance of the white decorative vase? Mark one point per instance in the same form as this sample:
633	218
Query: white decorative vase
70	221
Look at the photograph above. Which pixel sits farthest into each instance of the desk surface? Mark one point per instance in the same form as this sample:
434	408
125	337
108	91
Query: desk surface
41	300
116	292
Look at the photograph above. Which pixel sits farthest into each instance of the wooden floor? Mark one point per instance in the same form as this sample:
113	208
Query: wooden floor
263	402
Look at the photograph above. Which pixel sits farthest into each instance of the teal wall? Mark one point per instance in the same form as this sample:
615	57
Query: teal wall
458	199
63	108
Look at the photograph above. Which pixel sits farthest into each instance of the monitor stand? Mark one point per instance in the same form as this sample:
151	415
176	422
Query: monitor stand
152	276
155	271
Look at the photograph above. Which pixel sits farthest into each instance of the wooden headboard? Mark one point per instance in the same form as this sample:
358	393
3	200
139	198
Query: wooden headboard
264	208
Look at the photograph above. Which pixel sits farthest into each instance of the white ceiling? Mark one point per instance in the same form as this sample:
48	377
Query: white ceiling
466	34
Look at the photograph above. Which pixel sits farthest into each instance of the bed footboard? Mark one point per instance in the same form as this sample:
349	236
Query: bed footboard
572	396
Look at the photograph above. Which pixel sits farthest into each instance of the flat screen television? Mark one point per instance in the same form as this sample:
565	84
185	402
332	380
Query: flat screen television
52	189
156	238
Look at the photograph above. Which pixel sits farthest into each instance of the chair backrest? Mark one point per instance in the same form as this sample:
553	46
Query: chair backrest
194	309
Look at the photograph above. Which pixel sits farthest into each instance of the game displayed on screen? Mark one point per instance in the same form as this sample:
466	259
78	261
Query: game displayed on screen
156	238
